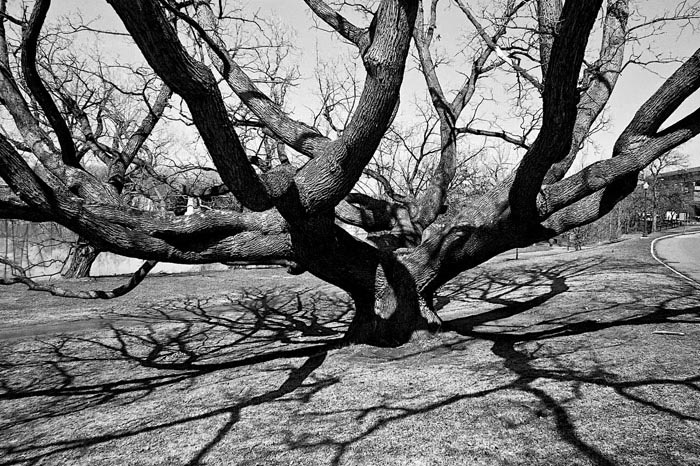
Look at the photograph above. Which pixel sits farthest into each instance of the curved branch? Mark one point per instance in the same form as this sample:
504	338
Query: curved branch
101	224
365	212
422	41
385	184
117	169
432	202
149	122
30	37
21	277
324	181
468	88
102	151
548	14
160	45
636	147
590	208
297	135
356	35
31	189
681	131
655	111
53	171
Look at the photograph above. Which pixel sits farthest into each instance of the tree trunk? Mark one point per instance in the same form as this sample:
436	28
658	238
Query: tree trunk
395	313
81	259
389	309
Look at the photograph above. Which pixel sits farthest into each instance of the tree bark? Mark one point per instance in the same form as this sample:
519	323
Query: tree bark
395	313
82	257
291	212
389	307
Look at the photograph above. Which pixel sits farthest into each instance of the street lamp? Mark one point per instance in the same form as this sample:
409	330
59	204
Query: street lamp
645	186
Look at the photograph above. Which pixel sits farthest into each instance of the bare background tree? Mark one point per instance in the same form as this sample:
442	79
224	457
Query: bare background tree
672	159
357	161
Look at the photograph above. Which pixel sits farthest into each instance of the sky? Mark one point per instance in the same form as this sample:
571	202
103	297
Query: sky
634	86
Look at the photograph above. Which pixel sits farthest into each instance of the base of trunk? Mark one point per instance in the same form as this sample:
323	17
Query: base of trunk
395	313
386	333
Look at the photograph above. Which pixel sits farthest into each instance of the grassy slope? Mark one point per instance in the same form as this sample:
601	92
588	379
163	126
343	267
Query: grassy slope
548	360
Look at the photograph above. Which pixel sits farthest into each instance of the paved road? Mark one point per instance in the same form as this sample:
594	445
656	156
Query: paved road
681	253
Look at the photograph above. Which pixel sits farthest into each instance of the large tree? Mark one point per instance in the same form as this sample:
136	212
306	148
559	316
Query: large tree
292	210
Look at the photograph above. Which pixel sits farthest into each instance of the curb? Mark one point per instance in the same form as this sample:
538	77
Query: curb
660	261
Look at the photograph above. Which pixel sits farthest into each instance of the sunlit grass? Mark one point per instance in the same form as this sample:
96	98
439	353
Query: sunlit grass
545	360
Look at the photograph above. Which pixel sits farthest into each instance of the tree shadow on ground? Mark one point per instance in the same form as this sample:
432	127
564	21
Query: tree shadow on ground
510	341
520	362
181	341
287	335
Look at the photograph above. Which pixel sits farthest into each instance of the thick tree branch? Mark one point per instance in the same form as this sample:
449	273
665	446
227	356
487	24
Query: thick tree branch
30	188
602	77
16	210
217	237
560	97
636	147
297	135
548	14
210	222
4	54
57	174
161	47
655	111
590	208
126	232
680	132
30	37
366	212
325	181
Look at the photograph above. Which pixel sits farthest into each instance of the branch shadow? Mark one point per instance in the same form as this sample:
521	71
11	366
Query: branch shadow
508	342
520	362
288	334
182	341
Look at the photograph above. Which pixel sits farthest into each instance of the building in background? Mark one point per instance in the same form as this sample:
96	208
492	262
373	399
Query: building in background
679	191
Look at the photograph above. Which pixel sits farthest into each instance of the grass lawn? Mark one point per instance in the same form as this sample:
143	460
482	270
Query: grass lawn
548	360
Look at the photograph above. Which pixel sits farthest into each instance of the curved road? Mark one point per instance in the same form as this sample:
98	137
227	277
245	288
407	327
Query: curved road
681	253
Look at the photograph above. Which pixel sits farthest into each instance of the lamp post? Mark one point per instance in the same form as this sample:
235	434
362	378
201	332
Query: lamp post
645	186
